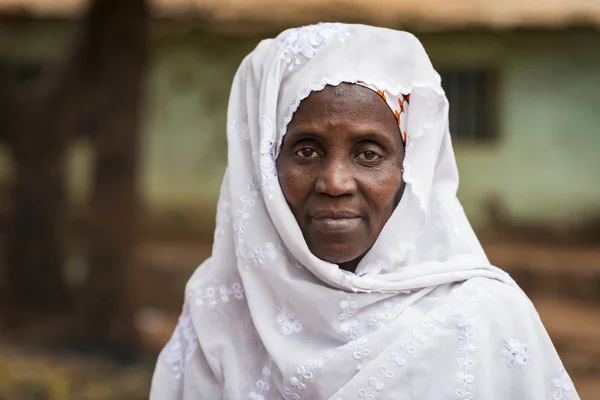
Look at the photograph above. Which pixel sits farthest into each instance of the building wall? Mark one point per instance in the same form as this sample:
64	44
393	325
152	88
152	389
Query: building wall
185	146
544	165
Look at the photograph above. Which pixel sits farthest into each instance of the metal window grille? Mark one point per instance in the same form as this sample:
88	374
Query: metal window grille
471	94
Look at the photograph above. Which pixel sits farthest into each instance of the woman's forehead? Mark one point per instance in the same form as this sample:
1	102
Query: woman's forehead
341	101
344	89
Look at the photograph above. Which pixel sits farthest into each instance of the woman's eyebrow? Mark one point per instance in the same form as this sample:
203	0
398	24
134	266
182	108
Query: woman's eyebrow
297	135
361	132
373	137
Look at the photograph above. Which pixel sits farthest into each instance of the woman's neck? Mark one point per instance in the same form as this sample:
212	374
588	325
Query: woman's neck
350	266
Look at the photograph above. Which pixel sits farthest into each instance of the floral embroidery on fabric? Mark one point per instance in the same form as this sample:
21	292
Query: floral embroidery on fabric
239	130
361	353
222	220
252	257
258	256
438	317
242	215
398	358
291	259
563	384
382	317
304	372
483	292
515	352
479	294
418	336
262	385
375	384
448	207
288	322
211	295
181	346
268	168
467	347
349	324
302	44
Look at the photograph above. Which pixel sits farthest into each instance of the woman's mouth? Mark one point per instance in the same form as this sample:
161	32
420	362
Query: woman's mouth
335	220
336	224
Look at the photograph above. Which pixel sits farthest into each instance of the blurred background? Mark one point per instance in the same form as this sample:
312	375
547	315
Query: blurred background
112	149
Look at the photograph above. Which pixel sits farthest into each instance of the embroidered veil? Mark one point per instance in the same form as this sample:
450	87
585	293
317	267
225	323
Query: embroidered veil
425	316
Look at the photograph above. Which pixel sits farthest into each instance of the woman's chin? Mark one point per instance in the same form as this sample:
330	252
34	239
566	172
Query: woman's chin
337	253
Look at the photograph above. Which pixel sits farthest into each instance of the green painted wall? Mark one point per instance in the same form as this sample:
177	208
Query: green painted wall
545	164
185	146
543	167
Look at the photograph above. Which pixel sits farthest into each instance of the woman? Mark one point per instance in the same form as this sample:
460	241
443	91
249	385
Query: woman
343	264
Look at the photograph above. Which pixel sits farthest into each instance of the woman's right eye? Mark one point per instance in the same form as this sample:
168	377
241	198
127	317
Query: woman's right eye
307	152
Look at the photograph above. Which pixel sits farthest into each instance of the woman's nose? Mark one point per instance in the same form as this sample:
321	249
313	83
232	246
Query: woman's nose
336	178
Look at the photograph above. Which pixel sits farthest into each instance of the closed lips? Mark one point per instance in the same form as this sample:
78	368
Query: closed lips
331	214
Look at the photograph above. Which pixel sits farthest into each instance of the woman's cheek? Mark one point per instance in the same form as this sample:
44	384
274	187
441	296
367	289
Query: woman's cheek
384	184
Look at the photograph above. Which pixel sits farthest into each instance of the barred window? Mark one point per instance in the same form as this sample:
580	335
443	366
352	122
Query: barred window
472	97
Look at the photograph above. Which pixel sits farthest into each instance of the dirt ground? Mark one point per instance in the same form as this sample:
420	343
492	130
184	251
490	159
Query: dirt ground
29	374
564	284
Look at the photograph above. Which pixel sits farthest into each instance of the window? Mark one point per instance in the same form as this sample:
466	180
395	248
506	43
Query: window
471	94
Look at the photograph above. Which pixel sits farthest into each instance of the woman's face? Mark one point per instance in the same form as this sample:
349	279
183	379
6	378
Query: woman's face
340	169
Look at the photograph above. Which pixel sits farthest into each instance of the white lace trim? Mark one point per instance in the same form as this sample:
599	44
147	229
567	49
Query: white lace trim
466	348
302	44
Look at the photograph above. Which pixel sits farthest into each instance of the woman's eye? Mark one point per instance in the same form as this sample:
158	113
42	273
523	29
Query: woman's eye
368	155
307	152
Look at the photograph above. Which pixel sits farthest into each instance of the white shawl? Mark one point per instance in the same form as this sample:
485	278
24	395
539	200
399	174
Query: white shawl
425	316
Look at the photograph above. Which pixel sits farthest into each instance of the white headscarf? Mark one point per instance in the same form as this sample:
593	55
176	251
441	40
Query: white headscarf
425	316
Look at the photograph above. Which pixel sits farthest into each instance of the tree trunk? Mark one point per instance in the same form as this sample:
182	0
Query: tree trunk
102	85
38	130
36	240
117	57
